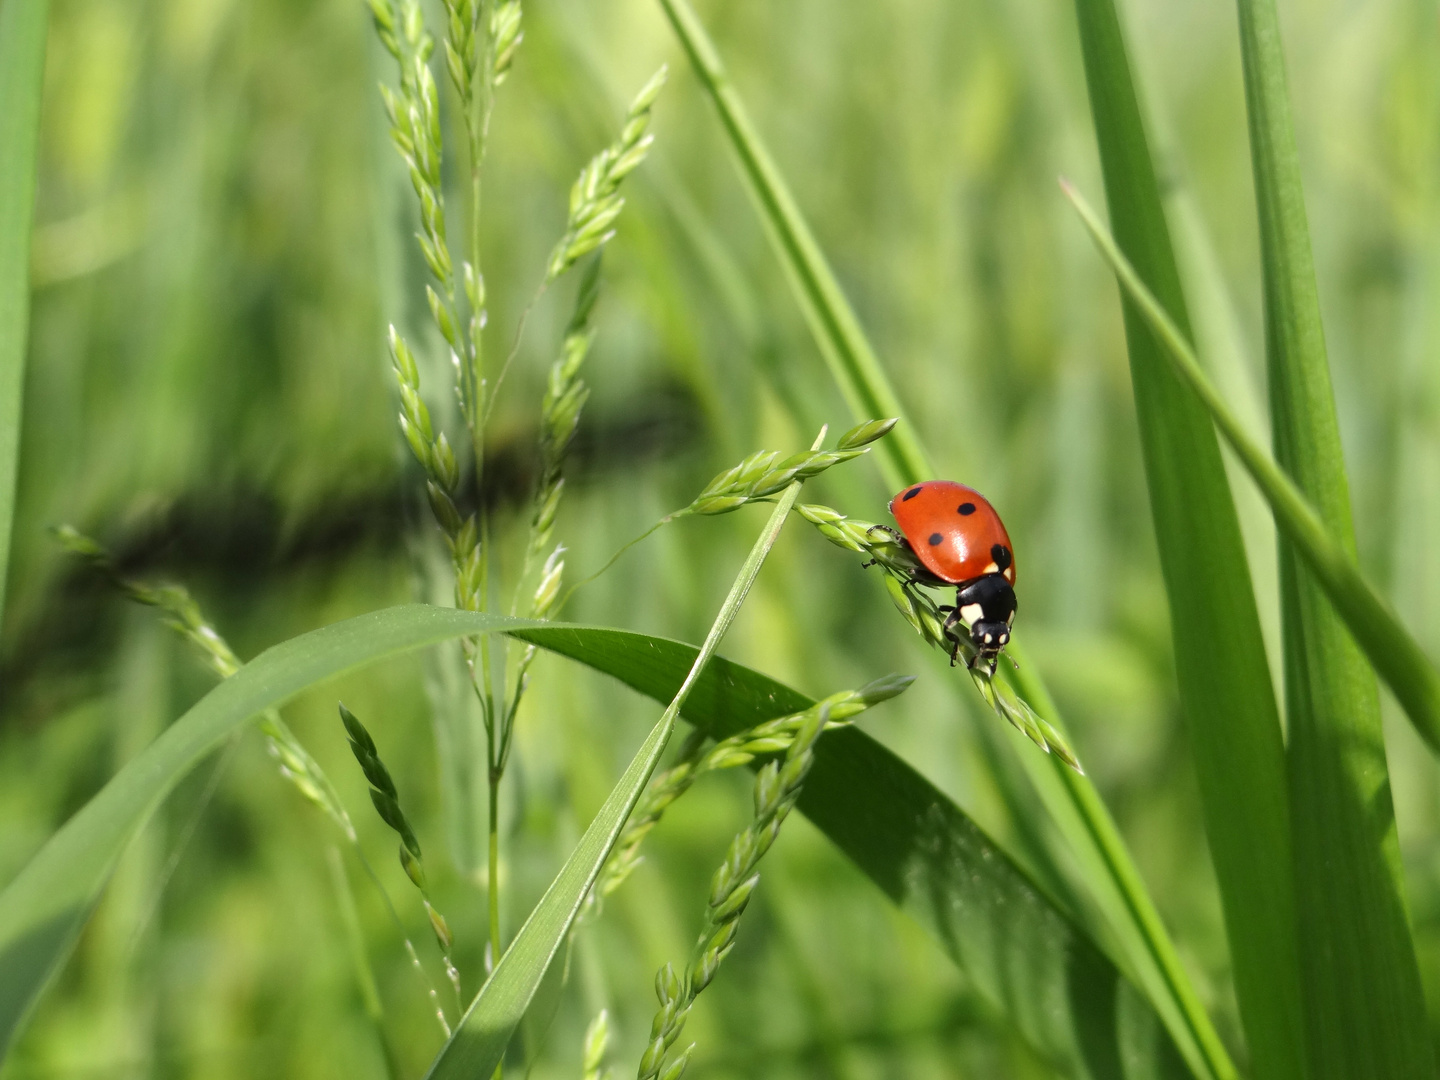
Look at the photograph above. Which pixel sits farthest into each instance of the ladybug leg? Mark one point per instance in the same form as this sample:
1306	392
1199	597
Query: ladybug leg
948	629
890	535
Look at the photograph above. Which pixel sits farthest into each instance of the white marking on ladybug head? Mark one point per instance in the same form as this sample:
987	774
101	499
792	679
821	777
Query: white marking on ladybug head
971	613
1010	574
989	638
991	568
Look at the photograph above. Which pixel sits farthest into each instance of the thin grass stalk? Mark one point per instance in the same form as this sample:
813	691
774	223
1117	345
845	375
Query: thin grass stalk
22	67
853	363
415	129
1226	692
1069	797
360	958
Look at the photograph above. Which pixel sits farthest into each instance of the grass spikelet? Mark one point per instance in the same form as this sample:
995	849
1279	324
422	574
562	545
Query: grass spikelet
442	477
505	37
773	737
884	548
595	200
762	474
387	804
756	479
183	615
777	787
866	433
597	1038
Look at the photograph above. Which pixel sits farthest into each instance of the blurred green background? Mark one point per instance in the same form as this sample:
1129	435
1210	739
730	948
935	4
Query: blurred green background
223	233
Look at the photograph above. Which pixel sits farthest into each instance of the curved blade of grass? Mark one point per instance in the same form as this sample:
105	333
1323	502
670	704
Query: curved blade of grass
1221	669
1030	960
1389	646
1365	1009
478	1046
1110	873
44	907
1066	997
22	65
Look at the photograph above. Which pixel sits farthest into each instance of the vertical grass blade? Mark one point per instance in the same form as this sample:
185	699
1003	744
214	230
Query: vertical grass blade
22	65
1220	664
852	361
1112	876
1364	1010
1393	651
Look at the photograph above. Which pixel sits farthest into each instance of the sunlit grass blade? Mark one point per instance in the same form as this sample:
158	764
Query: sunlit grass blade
1061	991
1221	668
1112	877
843	343
1365	1009
1389	646
478	1045
22	63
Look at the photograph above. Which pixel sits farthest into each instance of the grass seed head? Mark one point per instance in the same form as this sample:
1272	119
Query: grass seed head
595	201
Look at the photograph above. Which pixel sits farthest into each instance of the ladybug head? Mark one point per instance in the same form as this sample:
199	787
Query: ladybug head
988	606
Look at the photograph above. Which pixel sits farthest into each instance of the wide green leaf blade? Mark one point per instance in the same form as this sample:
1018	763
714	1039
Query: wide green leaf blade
1364	1008
1029	959
1221	669
44	907
1110	876
22	63
1391	648
1065	996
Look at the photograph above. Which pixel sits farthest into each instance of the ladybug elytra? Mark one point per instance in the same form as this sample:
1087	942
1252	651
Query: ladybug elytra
960	540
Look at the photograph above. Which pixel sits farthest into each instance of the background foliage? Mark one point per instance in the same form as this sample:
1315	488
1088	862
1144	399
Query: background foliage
222	233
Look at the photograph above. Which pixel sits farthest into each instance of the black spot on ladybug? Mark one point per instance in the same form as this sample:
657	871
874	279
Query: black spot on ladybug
935	538
910	494
1001	554
966	509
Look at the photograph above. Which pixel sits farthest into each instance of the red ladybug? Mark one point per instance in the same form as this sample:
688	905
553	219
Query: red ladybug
960	540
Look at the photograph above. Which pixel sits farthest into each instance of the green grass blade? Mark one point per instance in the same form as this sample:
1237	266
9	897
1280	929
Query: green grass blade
22	65
843	343
484	1032
478	1045
44	907
1365	1011
1028	959
1221	669
1065	996
1391	648
1111	874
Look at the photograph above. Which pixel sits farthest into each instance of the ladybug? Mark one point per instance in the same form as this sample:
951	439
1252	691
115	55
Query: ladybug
960	540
